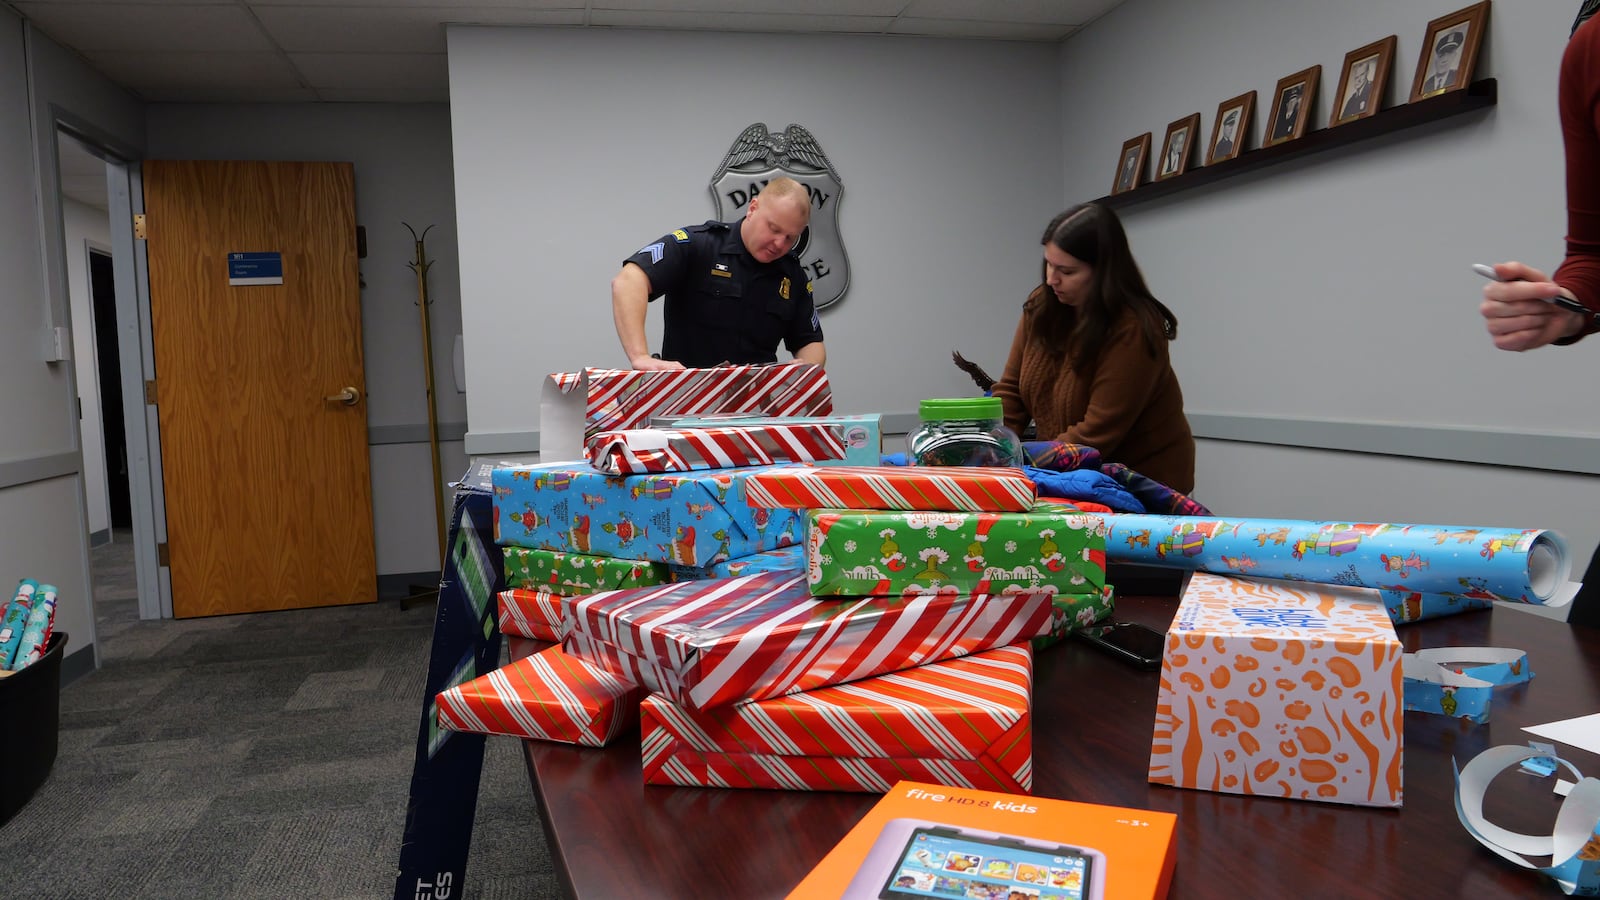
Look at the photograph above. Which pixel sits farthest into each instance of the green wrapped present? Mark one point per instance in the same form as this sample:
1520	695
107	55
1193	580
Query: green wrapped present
575	575
887	552
1070	612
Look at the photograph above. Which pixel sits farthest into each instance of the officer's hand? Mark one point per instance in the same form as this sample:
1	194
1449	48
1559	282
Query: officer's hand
651	364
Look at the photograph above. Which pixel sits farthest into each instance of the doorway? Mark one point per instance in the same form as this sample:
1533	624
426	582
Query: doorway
108	360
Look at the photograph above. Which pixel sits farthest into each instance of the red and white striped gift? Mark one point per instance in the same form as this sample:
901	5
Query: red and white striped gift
533	614
551	695
923	488
962	722
577	405
708	643
646	451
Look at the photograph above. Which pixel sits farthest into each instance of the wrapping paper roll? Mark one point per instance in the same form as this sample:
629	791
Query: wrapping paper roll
36	631
14	618
1521	566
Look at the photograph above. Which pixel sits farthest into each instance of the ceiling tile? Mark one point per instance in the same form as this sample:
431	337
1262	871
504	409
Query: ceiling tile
1052	12
401	72
963	28
525	5
811	8
207	93
103	26
311	29
715	21
385	95
144	72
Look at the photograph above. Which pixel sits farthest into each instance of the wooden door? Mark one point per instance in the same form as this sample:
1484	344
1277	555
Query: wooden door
264	463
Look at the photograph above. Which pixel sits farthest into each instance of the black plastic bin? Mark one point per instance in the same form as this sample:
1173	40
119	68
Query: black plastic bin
30	708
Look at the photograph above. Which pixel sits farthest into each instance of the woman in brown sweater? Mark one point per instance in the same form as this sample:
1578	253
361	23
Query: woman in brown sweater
1089	362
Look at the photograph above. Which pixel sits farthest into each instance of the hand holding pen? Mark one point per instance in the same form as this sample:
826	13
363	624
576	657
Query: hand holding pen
1524	309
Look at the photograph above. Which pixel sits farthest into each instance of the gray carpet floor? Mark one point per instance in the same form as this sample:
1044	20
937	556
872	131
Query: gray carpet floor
265	755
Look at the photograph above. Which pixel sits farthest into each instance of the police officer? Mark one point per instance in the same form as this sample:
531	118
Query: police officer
1446	59
734	290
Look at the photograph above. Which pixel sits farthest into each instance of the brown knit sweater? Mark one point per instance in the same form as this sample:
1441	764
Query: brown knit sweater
1130	409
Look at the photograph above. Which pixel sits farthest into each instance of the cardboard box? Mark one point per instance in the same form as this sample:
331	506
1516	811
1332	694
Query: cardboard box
860	552
550	696
1281	689
957	842
692	519
863	434
703	644
961	721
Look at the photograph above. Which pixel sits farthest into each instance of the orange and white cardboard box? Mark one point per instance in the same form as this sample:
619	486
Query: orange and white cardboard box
925	840
1281	689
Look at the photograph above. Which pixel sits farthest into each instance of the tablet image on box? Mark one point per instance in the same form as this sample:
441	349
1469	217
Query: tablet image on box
931	841
913	859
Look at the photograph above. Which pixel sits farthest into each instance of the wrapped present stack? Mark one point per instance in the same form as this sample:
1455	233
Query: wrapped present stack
683	596
892	530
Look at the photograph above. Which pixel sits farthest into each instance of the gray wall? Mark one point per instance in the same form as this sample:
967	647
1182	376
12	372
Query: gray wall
42	501
1337	289
575	148
402	162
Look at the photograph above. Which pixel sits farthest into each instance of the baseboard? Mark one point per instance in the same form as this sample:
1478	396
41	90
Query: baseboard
96	538
400	585
77	664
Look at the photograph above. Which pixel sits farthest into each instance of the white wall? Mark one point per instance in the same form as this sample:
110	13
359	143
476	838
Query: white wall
42	504
401	154
575	148
84	225
1336	288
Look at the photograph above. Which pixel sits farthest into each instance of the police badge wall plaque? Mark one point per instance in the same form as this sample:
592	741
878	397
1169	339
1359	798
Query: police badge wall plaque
758	156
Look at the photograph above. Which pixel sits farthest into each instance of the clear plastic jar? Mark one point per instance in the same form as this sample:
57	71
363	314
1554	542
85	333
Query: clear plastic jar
970	431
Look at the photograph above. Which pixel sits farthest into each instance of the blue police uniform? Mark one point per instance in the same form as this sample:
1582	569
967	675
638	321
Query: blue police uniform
721	304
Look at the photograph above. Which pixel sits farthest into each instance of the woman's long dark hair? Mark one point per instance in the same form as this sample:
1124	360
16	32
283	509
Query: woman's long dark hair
1093	234
1585	12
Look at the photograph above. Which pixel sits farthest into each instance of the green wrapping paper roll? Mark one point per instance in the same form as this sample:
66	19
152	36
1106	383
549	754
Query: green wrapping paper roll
1521	566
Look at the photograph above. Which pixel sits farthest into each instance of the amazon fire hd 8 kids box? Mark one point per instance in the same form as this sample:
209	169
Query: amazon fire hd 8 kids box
926	840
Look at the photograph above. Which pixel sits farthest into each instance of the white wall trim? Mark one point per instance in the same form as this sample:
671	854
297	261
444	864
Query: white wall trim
18	472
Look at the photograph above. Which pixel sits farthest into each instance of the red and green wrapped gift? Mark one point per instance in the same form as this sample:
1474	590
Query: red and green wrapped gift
962	722
551	696
932	488
708	643
1071	612
882	552
534	614
575	574
645	451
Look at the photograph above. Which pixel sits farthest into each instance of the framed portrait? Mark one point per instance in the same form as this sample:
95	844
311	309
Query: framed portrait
1449	50
1291	106
1178	147
1130	164
1231	128
1363	81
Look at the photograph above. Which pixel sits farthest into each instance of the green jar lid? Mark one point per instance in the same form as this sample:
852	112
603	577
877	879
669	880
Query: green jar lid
963	408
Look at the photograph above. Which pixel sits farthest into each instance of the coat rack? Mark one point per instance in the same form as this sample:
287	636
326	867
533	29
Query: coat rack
420	265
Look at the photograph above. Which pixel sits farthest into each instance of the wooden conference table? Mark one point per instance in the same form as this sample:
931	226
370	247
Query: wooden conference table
612	836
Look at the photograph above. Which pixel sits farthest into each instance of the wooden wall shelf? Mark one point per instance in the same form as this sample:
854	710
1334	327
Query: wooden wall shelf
1478	95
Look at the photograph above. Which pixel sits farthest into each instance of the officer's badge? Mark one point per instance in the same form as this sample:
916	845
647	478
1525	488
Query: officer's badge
758	156
783	289
681	236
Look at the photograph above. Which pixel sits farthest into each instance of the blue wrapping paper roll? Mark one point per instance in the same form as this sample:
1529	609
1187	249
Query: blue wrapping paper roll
36	631
1521	566
13	618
